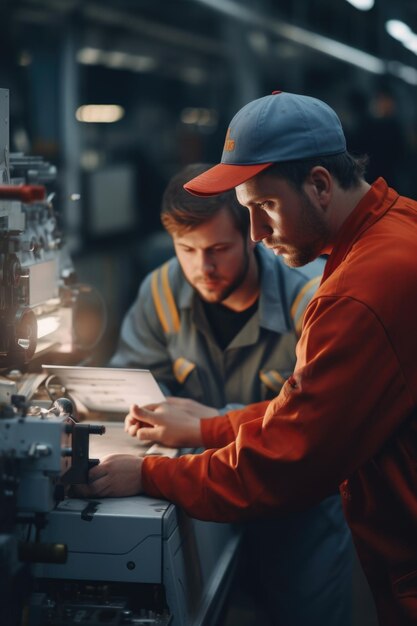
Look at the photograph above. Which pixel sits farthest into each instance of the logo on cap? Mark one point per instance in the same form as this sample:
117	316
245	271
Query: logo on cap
229	143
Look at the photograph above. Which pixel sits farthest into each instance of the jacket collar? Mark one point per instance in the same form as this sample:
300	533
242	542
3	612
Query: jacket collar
374	204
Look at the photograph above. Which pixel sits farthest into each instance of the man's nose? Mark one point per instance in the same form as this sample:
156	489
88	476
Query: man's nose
206	262
258	227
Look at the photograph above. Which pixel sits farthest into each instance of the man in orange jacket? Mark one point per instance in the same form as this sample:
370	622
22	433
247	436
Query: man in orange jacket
347	416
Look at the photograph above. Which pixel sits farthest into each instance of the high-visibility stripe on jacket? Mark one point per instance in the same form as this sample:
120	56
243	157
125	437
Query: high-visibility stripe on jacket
164	300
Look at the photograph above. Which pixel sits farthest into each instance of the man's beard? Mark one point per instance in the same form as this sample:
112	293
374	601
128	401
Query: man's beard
313	224
220	296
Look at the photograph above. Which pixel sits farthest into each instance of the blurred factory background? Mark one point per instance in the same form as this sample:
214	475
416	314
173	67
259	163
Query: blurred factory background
171	73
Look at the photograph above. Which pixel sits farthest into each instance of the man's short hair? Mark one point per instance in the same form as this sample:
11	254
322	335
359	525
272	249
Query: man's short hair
347	169
182	211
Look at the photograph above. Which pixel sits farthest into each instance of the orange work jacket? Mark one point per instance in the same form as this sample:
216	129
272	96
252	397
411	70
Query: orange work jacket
347	416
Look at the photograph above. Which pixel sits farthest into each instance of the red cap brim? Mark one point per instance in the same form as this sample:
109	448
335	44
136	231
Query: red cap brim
223	177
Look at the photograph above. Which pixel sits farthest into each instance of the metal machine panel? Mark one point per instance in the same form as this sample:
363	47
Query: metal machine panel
114	540
138	561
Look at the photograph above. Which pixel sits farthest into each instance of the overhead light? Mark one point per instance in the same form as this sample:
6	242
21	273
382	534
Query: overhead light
88	56
299	35
99	113
336	49
398	30
199	116
331	47
140	63
116	59
362	5
402	33
126	61
189	116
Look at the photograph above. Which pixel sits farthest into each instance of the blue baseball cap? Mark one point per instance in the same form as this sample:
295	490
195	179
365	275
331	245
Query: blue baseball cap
276	128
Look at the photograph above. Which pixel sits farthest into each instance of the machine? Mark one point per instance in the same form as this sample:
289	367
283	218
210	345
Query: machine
65	560
42	449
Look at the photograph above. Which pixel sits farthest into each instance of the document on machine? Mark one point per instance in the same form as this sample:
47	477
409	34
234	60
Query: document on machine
112	390
108	389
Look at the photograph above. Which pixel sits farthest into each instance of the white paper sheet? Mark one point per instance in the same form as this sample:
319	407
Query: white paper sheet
108	389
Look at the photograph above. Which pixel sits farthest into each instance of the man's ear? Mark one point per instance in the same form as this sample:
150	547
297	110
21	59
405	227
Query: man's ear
320	183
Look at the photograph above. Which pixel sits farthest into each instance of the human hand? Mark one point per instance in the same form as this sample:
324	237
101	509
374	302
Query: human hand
116	476
174	423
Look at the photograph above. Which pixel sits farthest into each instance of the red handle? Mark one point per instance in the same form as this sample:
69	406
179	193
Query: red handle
24	193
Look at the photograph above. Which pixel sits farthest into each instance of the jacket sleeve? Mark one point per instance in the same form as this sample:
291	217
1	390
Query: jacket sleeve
345	399
220	431
142	341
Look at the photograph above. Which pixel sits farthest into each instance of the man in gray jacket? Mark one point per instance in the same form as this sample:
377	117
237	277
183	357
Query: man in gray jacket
218	324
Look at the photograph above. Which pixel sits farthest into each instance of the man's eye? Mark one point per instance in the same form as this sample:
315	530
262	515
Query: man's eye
265	205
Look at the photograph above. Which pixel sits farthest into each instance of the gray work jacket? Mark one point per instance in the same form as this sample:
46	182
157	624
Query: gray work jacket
166	331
